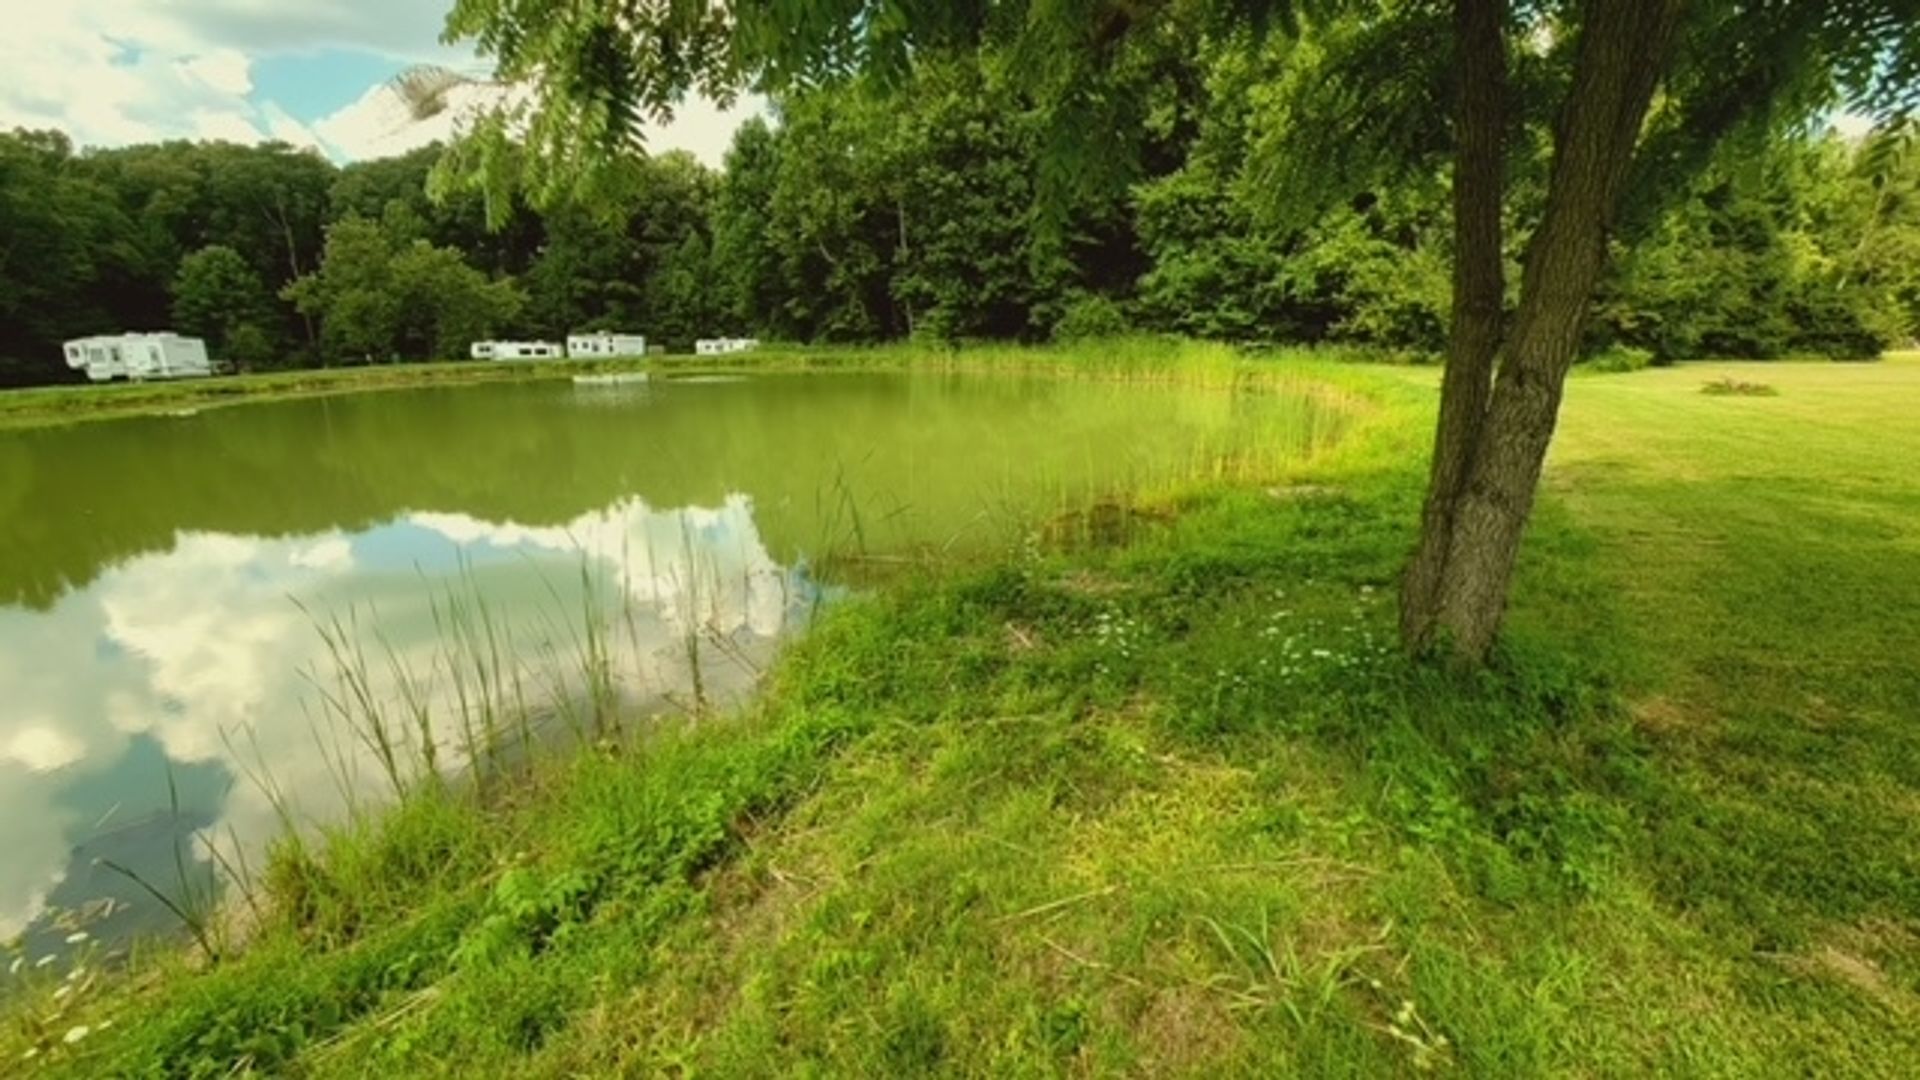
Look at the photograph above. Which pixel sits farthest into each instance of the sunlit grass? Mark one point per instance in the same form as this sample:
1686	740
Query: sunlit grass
1153	794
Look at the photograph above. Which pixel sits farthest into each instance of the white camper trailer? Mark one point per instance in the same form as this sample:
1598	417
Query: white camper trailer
517	350
605	344
722	346
139	356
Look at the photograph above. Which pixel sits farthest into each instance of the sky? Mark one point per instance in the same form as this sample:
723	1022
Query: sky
308	72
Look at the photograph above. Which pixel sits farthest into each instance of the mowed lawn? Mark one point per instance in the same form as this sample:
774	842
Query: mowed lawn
1767	547
1175	806
1766	555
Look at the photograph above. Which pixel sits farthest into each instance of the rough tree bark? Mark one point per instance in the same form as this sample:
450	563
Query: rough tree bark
1621	53
1479	290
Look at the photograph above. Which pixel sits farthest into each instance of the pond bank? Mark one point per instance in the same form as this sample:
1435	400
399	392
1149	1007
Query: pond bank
1130	358
43	405
1173	805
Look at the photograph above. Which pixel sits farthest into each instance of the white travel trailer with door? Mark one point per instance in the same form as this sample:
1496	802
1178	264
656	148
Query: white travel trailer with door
604	344
517	350
722	346
139	356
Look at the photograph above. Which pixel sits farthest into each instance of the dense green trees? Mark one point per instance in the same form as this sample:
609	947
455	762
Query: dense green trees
863	217
1780	253
380	296
217	296
66	248
640	259
919	202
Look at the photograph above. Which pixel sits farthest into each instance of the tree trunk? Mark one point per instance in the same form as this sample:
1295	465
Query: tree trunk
1621	53
902	253
293	261
1478	292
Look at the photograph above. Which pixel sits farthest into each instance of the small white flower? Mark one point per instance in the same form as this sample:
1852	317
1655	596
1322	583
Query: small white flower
76	1033
43	961
77	937
18	963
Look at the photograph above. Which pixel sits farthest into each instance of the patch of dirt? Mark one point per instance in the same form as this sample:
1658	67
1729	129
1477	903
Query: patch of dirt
1021	639
754	901
1821	713
1856	971
1854	955
1088	583
1184	1028
1664	717
1107	523
1301	492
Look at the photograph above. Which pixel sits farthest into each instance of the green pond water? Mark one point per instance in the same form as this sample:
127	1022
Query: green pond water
163	579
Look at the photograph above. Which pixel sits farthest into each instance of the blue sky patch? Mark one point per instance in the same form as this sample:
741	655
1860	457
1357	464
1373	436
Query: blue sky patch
313	85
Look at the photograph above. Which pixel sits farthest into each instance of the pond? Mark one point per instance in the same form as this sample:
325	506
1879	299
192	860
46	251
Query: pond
214	622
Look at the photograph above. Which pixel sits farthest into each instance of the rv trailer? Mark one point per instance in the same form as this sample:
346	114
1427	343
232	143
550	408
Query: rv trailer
605	344
517	350
105	357
722	346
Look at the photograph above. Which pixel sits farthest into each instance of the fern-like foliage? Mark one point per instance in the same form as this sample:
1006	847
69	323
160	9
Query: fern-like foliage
1365	90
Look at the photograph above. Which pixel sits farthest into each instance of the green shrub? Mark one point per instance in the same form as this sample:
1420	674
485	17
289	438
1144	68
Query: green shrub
1618	358
1732	387
1090	316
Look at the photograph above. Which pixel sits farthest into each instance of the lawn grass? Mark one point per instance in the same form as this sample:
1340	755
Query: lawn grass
1170	804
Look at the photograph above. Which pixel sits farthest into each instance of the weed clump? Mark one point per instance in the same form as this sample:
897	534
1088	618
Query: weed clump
1619	360
1728	386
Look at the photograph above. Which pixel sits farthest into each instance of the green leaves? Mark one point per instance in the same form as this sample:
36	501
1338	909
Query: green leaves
217	296
379	300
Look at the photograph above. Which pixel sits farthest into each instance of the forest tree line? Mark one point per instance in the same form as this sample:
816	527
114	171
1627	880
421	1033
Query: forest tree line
851	216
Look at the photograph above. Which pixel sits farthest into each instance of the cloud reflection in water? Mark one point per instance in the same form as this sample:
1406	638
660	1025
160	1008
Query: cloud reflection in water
203	651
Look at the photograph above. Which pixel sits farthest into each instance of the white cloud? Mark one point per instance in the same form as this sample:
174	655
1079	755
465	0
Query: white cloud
704	129
111	72
221	125
283	127
44	748
109	75
403	29
1852	125
380	124
225	70
332	553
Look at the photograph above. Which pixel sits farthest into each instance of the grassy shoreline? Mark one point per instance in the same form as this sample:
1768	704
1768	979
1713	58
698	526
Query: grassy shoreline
49	405
1173	806
1141	358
